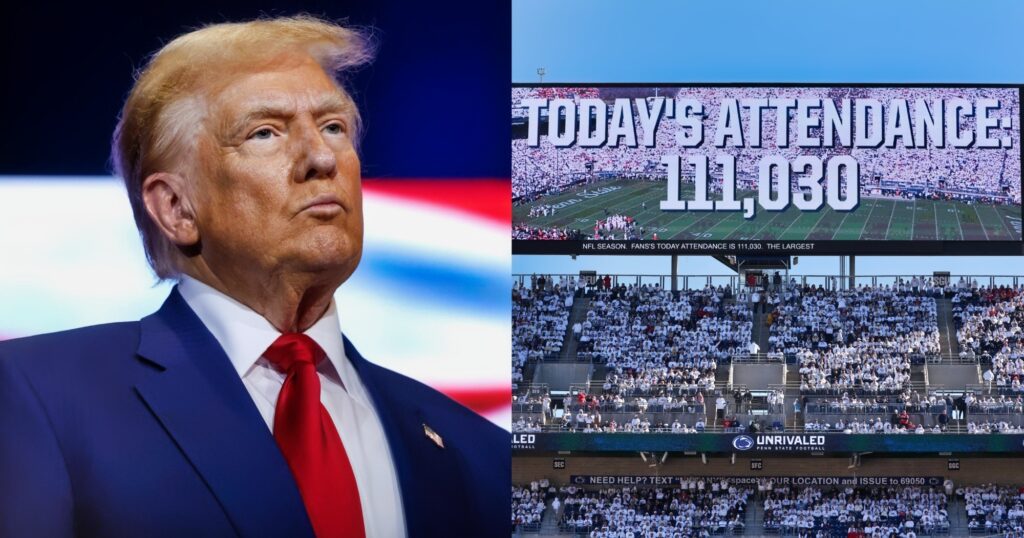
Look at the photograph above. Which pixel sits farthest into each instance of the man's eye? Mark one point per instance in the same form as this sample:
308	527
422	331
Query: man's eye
263	133
334	128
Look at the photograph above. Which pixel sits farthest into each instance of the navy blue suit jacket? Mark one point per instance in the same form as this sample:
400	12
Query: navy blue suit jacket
145	429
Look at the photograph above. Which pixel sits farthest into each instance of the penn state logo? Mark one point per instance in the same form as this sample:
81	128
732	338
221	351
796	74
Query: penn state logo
743	442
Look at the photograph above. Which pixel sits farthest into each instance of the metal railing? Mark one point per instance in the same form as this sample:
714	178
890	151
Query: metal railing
951	428
759	358
533	389
949	358
992	388
594	387
829	282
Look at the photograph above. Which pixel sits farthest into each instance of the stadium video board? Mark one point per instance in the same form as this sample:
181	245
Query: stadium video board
758	169
769	443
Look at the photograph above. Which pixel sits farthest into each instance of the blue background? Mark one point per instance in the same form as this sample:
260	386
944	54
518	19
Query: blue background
778	41
435	103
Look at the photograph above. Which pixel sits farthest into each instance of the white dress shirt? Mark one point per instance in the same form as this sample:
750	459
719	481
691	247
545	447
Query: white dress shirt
245	335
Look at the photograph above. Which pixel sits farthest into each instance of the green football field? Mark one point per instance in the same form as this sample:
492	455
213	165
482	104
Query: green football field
873	219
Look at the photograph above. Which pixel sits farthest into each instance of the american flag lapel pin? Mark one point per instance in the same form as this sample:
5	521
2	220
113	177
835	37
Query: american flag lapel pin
433	436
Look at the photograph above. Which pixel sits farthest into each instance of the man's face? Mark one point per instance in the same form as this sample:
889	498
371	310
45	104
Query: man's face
278	183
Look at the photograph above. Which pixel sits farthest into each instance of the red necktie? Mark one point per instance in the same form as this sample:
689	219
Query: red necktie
310	443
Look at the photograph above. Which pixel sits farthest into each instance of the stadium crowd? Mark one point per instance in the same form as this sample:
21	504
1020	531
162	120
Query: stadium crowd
591	422
871	512
527	509
1000	426
994	404
995	509
540	315
901	425
522	231
525	424
700	508
704	506
990	327
853	403
862	339
641	399
649	337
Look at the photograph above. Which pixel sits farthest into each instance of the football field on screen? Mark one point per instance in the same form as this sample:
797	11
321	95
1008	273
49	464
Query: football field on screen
873	219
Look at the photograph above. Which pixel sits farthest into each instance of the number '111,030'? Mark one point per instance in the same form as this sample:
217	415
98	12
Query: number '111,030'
807	194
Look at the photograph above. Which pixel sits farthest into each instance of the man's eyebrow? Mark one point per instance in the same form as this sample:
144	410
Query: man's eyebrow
259	112
328	104
332	103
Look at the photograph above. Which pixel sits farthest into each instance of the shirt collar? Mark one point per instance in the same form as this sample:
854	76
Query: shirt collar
245	335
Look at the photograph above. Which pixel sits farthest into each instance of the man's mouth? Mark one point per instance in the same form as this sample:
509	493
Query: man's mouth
323	205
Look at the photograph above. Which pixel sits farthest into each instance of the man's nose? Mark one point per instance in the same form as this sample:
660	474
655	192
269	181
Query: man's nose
317	159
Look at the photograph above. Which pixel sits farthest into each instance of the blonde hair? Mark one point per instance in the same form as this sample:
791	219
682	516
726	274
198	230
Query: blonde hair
161	118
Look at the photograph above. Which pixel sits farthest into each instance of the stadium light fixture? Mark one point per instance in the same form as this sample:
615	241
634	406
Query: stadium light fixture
541	72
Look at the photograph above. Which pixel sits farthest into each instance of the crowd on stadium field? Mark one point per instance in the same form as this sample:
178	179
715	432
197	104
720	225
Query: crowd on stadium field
863	339
990	327
969	174
540	315
617	227
520	231
870	512
700	508
995	508
542	210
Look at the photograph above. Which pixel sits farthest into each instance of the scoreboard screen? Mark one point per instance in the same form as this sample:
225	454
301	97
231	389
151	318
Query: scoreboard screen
766	169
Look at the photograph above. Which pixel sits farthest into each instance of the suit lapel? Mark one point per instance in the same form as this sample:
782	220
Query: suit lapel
203	405
427	474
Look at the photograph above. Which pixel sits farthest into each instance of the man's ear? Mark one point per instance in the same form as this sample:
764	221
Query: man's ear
168	204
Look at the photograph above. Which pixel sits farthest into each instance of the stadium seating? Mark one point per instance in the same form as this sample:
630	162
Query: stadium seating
617	511
861	340
875	511
989	325
994	509
663	357
527	509
703	506
648	336
539	319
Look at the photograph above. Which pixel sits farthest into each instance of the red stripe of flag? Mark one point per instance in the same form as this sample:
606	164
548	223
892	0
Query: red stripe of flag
483	400
485	198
